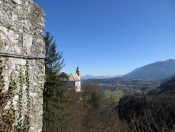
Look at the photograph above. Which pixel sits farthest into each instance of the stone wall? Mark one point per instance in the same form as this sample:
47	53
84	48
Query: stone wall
22	52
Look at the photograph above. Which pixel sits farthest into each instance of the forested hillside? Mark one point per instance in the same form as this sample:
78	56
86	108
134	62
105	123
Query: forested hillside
153	112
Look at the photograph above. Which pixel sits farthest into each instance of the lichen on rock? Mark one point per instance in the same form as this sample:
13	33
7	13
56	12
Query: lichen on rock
21	29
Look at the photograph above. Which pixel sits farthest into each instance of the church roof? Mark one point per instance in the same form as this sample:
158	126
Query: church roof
74	77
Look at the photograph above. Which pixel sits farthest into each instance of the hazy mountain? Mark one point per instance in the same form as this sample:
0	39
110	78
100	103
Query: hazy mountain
155	71
96	77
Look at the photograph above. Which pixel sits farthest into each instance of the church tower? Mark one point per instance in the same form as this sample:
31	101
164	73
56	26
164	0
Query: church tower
75	81
78	71
78	82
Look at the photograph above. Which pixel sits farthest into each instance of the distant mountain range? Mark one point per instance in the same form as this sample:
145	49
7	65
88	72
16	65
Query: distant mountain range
155	71
96	77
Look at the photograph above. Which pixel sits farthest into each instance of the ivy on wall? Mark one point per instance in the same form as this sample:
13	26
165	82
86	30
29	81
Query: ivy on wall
7	116
23	124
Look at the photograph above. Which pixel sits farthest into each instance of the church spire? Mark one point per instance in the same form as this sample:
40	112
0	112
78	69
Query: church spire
78	71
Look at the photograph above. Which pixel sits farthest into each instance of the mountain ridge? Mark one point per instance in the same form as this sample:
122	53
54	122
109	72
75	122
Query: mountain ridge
97	77
154	71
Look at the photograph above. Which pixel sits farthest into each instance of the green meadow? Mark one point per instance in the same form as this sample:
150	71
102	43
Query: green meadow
115	96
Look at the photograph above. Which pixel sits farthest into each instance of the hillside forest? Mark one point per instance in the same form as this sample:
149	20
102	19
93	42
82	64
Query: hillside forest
97	110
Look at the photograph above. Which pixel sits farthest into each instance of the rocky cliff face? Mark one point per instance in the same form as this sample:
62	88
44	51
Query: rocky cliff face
22	53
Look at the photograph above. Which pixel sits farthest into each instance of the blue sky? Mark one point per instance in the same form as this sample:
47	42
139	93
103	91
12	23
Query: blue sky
111	37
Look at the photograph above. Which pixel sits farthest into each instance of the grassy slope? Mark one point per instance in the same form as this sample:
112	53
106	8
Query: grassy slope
116	95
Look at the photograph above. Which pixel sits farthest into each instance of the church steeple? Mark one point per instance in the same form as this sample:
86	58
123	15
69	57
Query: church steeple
78	71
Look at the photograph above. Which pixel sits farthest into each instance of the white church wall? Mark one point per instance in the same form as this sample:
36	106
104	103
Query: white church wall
78	86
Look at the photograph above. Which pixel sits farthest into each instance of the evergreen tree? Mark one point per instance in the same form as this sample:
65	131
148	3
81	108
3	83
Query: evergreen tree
54	59
54	62
55	101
